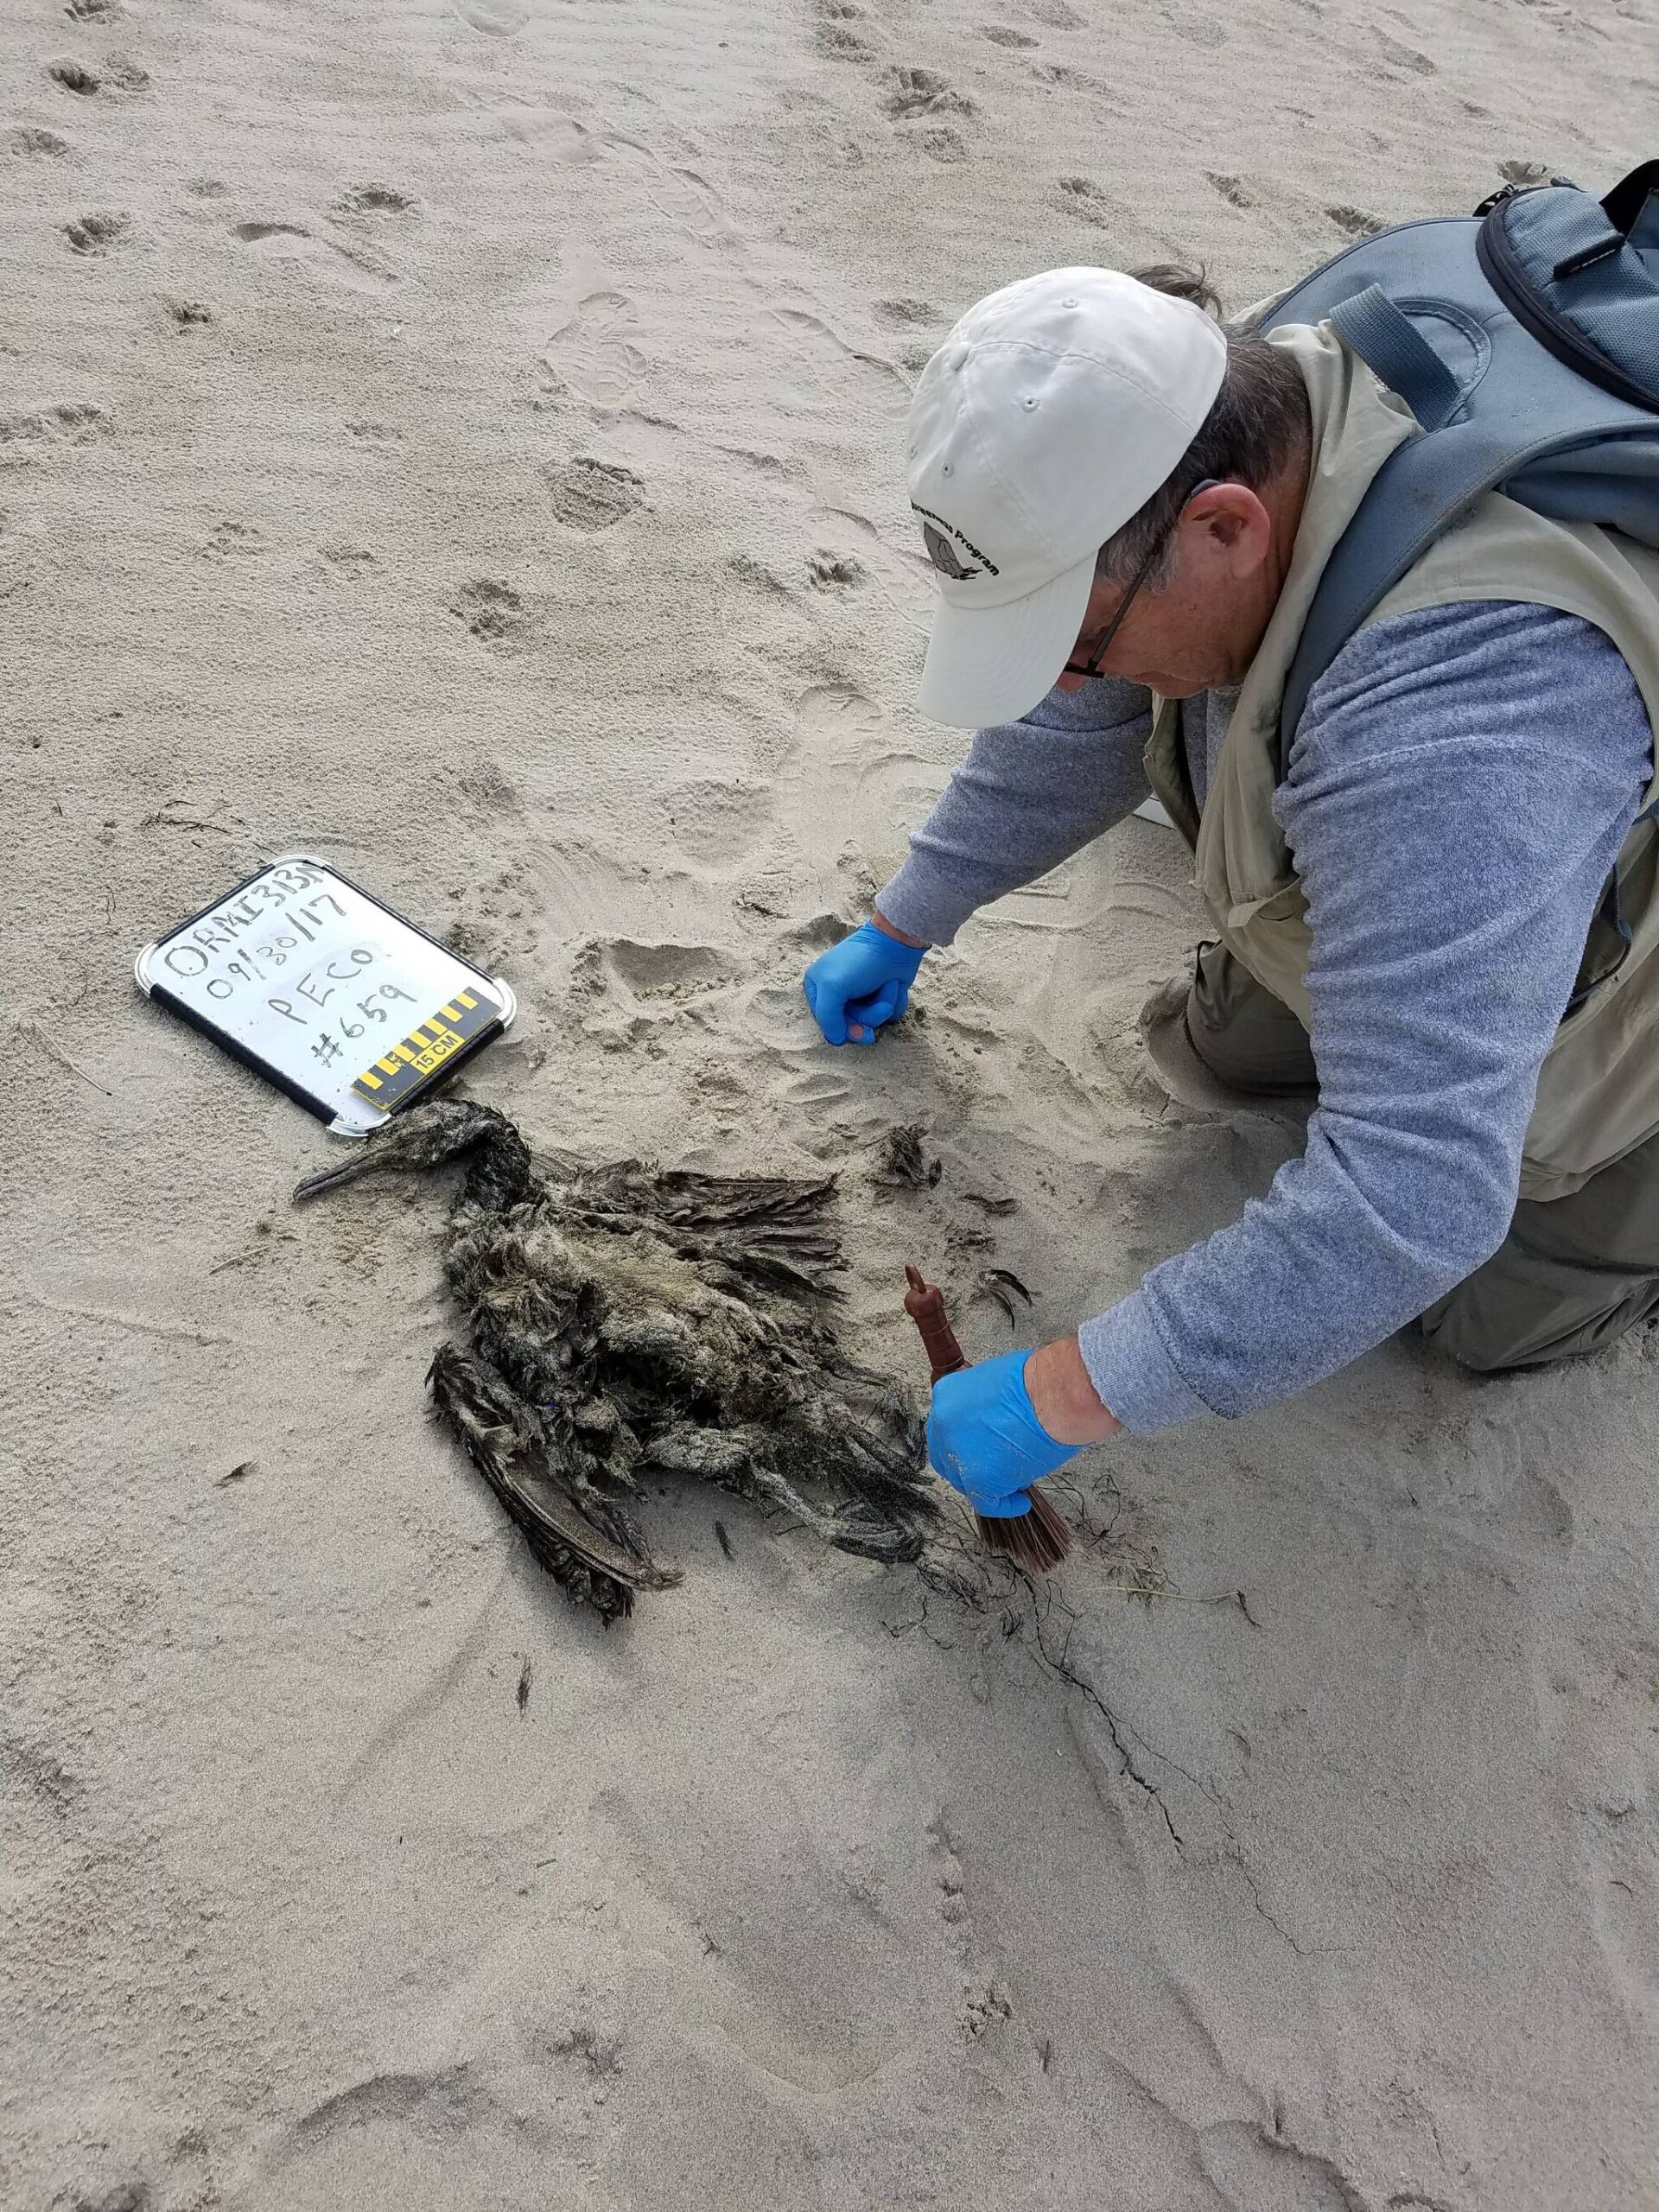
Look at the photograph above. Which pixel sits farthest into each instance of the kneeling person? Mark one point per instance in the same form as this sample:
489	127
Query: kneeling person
1130	508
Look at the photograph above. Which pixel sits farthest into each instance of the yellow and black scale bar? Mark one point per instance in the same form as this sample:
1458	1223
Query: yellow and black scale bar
411	1066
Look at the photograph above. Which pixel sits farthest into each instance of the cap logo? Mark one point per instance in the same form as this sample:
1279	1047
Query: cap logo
943	555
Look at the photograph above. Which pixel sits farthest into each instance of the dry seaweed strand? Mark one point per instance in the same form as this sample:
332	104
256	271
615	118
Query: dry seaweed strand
622	1318
1038	1539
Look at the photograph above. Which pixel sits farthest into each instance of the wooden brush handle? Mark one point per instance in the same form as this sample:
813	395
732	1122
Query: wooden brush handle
924	1303
1038	1539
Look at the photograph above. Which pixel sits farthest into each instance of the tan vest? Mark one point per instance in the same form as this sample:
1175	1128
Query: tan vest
1599	1090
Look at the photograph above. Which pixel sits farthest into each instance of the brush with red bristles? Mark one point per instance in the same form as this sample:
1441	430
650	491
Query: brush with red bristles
1037	1539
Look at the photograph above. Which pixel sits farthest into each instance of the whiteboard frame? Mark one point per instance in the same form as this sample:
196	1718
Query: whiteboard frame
154	986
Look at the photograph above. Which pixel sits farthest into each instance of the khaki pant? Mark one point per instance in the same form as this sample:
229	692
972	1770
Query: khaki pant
1569	1277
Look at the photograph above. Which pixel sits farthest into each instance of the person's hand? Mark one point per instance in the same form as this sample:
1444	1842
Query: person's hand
984	1436
991	1428
861	983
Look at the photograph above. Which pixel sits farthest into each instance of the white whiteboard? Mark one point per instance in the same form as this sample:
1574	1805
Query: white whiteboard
304	975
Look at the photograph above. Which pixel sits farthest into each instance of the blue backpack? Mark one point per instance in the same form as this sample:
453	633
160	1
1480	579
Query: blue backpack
1525	340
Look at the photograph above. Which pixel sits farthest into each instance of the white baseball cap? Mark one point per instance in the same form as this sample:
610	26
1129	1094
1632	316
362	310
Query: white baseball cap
1050	416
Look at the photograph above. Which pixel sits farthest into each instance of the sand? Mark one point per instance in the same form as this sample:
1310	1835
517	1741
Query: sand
466	441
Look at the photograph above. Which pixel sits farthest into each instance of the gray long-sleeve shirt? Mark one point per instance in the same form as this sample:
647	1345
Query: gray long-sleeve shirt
1461	783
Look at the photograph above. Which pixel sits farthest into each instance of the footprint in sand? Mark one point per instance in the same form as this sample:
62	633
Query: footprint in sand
940	143
1082	196
1000	34
293	242
844	789
855	553
908	314
232	541
838	34
493	613
688	201
759	612
73	78
756	457
756	575
93	11
24	438
922	98
799	1094
589	495
597	2055
36	145
985	2003
96	232
593	354
113	77
374	199
985	2007
495	18
919	316
1075	80
1404	57
1355	221
1230	189
678	972
924	93
830	367
346	563
621	988
555	136
828	571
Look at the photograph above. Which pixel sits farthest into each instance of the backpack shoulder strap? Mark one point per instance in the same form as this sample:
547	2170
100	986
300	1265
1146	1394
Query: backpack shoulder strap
1416	496
1494	408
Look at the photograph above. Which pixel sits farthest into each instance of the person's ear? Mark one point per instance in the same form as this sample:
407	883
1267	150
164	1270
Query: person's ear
1237	528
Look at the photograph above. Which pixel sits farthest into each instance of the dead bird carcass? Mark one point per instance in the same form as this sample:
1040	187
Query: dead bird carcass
624	1317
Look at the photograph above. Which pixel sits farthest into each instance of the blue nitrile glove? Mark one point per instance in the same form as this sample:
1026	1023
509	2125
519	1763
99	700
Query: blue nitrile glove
984	1436
865	979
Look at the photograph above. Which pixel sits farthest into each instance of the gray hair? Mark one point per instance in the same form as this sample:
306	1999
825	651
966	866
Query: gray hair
1259	421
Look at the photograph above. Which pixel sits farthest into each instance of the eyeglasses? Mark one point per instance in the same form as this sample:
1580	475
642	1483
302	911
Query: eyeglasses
1091	667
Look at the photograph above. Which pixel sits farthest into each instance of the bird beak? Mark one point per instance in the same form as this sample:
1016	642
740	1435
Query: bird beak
330	1179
